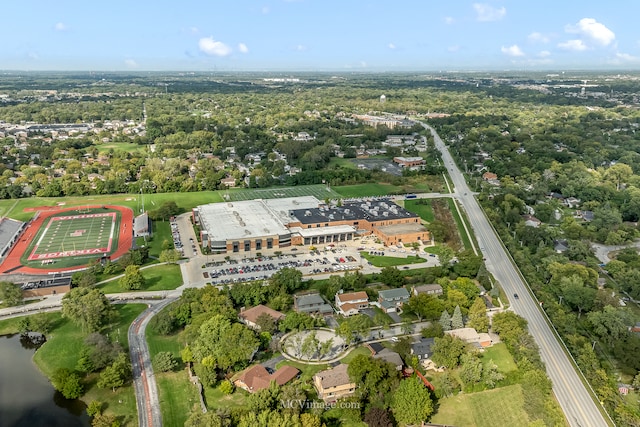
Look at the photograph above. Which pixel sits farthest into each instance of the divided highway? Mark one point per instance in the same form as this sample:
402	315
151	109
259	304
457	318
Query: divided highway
576	401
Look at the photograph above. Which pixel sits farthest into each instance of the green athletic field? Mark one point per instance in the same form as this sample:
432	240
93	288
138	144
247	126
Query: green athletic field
71	237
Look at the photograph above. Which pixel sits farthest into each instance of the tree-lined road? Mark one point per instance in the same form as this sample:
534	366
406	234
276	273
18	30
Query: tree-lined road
575	400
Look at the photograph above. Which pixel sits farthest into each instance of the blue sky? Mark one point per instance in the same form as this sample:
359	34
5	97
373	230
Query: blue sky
319	35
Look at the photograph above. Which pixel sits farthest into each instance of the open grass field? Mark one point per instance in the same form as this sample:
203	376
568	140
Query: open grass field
500	356
484	409
342	162
421	207
164	277
464	237
62	350
127	147
16	208
319	191
177	397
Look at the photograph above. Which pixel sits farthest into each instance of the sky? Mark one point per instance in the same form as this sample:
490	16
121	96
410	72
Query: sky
319	35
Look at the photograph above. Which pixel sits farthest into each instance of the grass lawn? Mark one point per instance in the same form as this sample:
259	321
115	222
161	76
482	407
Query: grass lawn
421	207
500	356
128	147
158	278
161	232
342	162
385	261
484	409
15	208
62	350
214	398
306	371
355	352
365	190
459	225
177	397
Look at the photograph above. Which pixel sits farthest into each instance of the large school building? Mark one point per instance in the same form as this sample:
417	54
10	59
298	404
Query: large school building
258	225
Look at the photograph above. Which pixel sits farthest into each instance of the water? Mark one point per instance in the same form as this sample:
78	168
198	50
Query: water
27	399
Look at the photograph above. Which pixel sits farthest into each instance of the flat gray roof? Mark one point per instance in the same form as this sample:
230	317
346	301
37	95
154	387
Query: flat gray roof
251	218
8	229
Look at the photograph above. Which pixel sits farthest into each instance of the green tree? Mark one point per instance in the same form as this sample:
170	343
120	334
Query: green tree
411	403
478	316
470	369
68	383
378	417
448	350
170	256
94	408
88	308
226	387
445	321
116	374
425	306
133	279
392	277
10	294
456	319
164	362
266	323
354	327
490	374
610	324
287	279
214	337
576	294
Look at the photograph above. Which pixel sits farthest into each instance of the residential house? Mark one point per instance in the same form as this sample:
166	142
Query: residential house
351	303
531	221
571	202
431	289
334	384
391	300
471	336
257	378
488	176
586	216
390	356
250	317
229	182
311	304
422	348
560	246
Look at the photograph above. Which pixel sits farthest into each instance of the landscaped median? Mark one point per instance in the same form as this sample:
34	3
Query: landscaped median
391	261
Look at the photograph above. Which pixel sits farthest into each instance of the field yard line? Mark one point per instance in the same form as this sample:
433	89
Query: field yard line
11	207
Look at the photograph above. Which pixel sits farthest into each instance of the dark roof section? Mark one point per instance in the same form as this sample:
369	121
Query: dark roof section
376	210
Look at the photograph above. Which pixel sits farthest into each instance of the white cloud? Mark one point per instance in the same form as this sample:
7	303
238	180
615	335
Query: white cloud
512	50
60	26
265	10
243	48
537	37
300	48
593	30
575	45
449	20
391	46
625	57
212	47
486	13
130	63
194	30
453	48
33	55
543	54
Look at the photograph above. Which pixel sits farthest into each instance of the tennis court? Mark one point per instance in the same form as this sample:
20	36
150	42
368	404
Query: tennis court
75	235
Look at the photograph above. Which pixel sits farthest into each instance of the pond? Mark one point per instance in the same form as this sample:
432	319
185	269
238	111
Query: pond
27	399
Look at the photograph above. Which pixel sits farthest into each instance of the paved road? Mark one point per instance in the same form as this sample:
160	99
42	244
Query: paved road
574	398
602	251
144	381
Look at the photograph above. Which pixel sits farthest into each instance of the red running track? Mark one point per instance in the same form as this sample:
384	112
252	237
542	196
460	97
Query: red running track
13	264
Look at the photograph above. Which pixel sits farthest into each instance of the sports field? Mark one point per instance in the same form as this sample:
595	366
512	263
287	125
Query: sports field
74	235
321	192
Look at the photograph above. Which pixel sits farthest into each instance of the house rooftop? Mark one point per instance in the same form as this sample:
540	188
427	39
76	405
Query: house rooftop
353	296
394	293
253	313
334	377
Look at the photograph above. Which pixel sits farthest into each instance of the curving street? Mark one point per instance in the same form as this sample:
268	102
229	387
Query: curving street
575	399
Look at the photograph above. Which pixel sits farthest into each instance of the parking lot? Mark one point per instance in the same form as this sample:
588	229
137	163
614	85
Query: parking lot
257	268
